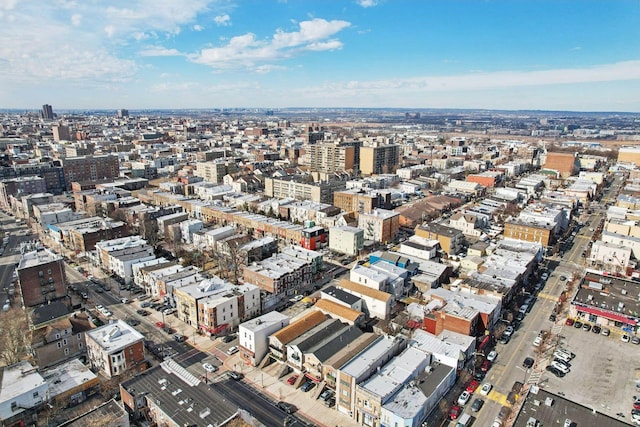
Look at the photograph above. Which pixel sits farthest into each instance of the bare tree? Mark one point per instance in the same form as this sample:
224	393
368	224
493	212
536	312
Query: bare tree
15	336
230	260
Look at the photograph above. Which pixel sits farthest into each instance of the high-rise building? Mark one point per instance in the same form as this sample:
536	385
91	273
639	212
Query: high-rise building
47	112
61	133
379	159
123	113
329	157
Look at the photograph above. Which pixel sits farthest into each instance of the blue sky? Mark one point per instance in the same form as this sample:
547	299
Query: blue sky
578	55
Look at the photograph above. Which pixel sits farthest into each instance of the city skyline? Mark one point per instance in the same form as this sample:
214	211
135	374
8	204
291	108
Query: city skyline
541	55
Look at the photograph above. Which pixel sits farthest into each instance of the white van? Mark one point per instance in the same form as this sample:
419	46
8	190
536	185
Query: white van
464	420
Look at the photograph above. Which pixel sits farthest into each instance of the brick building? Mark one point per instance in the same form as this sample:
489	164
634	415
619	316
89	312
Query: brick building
115	348
88	168
41	277
567	164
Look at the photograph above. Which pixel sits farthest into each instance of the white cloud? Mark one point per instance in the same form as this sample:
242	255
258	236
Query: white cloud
222	20
246	51
367	3
197	27
160	51
76	19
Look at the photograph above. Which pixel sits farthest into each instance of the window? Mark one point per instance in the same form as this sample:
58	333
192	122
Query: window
80	344
64	342
59	344
66	351
79	336
35	394
57	336
49	271
14	406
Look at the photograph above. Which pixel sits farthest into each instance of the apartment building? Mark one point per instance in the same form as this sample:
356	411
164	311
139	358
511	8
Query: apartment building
254	335
228	307
329	157
21	185
215	170
42	278
379	225
123	245
361	200
90	168
533	231
52	213
376	303
451	239
279	340
346	240
321	192
60	340
115	348
280	275
379	159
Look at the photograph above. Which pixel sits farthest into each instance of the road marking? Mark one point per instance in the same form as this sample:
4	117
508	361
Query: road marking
547	296
498	397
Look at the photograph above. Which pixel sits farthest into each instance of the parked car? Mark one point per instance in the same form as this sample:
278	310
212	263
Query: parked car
586	327
625	338
560	366
233	350
209	367
464	398
228	338
569	322
179	338
327	394
492	356
455	412
552	317
472	386
555	371
160	324
635	340
307	386
537	341
485	366
330	402
606	332
577	324
292	379
596	329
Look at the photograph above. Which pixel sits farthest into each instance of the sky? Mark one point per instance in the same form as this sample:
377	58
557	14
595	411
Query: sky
579	55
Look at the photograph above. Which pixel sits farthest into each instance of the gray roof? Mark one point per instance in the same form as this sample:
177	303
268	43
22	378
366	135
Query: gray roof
341	295
327	348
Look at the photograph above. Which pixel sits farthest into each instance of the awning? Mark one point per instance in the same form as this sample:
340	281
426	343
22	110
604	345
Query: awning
607	314
312	377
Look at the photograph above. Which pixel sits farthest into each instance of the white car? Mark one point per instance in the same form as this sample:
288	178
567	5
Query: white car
232	350
625	338
464	398
544	276
99	307
486	388
209	367
492	356
107	313
560	367
537	341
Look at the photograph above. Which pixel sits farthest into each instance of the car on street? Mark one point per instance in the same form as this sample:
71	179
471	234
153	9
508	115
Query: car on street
233	350
505	339
486	388
586	327
292	379
160	324
485	366
492	356
537	341
544	276
625	338
228	338
569	322
552	317
596	329
477	404
508	331
133	322
577	324
528	362
635	340
560	366
563	278
286	407
455	412
235	375
606	332
464	398
209	367
179	338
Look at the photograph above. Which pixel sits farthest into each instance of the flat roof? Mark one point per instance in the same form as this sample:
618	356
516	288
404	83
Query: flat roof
115	336
561	409
18	379
265	321
38	257
68	376
362	362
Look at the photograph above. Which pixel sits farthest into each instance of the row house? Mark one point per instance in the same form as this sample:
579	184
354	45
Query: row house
120	246
281	275
278	341
147	276
253	336
115	348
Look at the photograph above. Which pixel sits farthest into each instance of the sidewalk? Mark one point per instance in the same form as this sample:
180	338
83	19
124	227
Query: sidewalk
313	409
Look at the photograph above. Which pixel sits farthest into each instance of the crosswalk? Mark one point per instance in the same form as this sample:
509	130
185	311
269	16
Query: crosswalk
547	296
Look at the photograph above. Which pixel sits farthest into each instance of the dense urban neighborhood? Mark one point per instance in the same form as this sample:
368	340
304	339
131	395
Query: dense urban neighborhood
330	267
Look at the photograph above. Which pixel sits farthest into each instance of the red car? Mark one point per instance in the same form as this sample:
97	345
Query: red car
160	324
569	322
485	366
292	379
472	386
455	412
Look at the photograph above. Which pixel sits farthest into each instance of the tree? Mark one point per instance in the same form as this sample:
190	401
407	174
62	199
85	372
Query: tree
149	231
15	337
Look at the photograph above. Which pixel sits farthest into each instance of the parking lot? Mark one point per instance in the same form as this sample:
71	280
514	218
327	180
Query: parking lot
602	374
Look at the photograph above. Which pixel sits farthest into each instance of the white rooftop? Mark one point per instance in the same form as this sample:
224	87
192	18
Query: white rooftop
361	364
19	379
265	321
115	336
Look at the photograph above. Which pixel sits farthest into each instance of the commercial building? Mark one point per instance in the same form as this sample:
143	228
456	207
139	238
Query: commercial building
115	348
566	164
41	278
629	155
